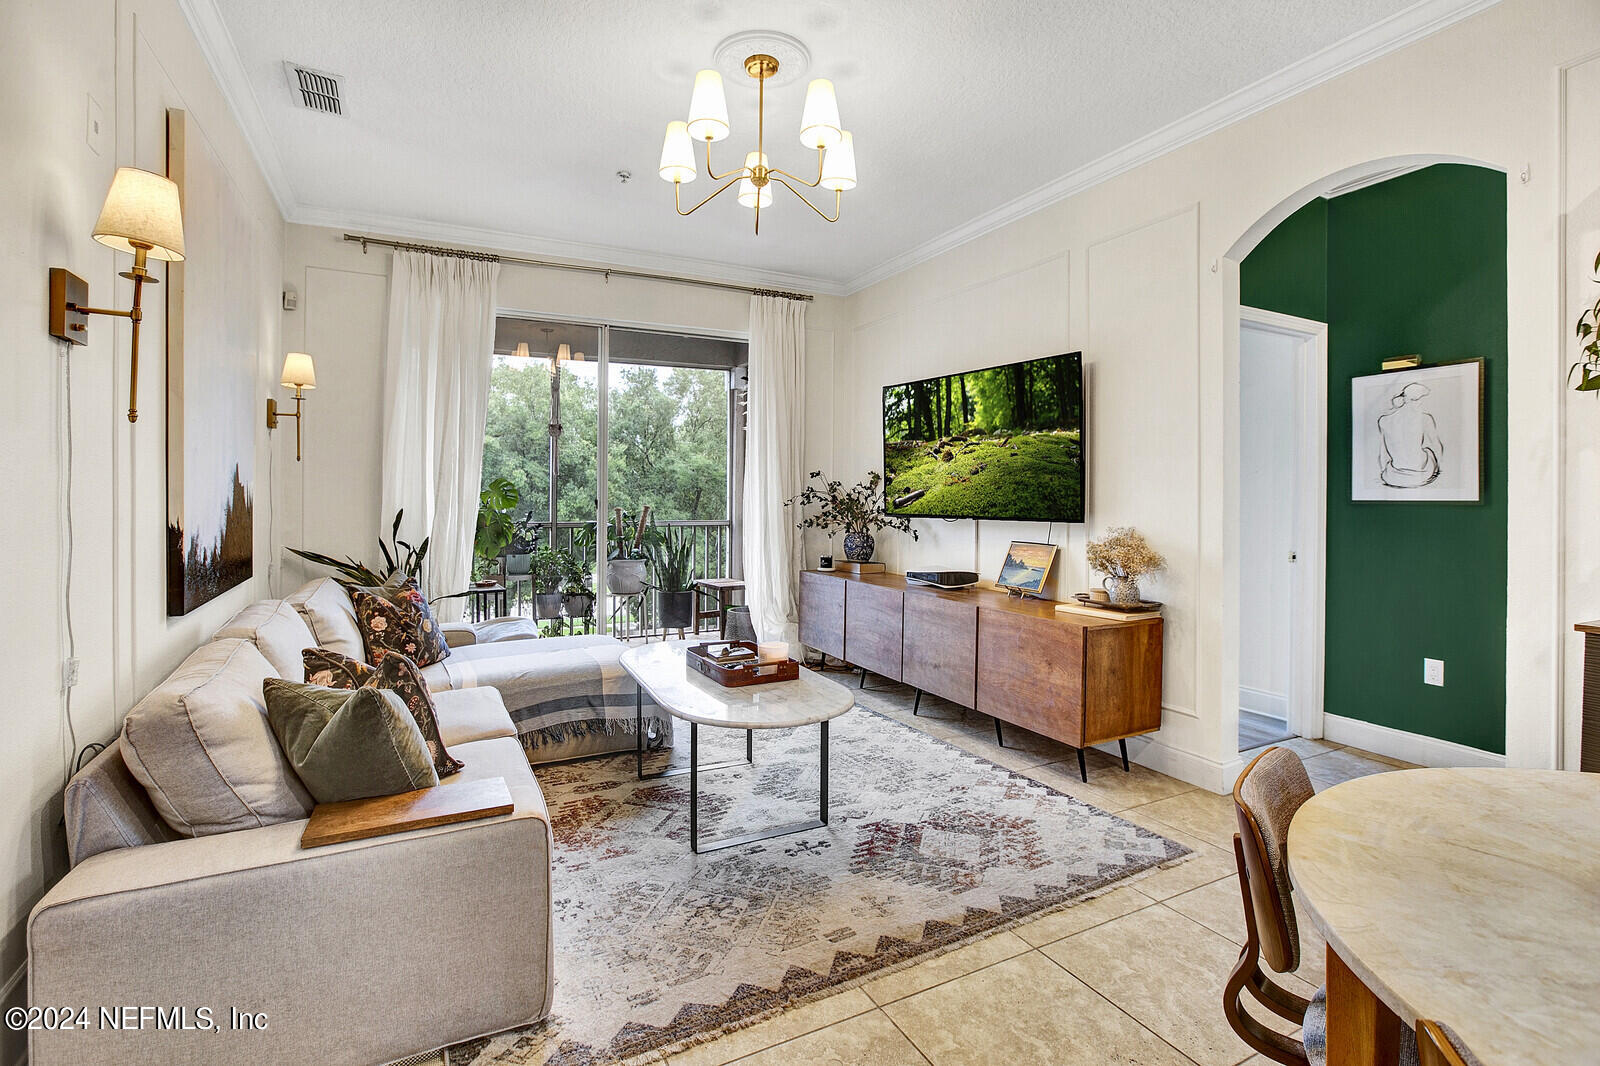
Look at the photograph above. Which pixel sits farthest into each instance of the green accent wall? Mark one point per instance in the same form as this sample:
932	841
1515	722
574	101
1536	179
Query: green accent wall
1416	264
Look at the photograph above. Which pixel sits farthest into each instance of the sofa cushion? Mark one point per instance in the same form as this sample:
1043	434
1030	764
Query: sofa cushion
200	745
328	613
395	673
348	744
278	632
496	757
106	808
472	714
398	619
478	664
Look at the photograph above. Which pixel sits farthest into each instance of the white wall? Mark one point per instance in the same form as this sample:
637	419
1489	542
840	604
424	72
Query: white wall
1141	272
1268	403
136	58
1580	86
331	501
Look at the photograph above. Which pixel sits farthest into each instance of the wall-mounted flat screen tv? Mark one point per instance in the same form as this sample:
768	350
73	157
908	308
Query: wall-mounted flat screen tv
1004	443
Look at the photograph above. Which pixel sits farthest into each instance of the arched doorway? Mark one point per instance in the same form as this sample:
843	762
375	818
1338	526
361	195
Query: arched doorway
1398	256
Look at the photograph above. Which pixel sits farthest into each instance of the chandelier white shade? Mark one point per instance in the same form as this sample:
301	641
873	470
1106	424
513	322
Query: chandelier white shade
819	122
708	121
748	193
677	154
839	165
708	108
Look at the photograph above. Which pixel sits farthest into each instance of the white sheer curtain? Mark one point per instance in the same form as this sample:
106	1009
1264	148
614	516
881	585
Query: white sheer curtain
774	464
436	392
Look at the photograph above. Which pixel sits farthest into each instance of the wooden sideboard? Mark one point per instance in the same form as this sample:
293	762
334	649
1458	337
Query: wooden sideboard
1077	679
1589	730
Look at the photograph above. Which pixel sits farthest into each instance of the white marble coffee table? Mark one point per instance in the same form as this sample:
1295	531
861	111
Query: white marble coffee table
1469	897
683	692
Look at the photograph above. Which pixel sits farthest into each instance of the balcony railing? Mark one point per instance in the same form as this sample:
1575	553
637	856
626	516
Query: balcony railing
636	615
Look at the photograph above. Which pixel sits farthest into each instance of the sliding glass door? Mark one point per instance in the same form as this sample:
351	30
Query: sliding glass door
616	440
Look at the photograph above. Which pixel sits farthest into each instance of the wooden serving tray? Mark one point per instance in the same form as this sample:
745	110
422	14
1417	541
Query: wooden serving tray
463	801
737	675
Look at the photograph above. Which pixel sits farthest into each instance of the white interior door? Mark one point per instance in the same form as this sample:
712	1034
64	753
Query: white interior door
1282	509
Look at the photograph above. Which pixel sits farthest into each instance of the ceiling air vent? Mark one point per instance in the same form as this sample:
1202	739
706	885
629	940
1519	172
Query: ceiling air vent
317	90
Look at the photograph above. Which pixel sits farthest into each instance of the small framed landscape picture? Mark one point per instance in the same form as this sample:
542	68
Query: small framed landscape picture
1027	566
1417	435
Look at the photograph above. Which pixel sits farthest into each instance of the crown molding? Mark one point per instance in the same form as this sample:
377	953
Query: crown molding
577	252
1398	30
227	69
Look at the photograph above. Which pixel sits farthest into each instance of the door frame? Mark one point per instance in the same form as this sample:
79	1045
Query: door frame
1308	585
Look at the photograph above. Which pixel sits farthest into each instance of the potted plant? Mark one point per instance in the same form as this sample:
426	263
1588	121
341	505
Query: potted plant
577	595
628	544
1124	556
546	571
496	525
401	561
857	511
1587	369
672	576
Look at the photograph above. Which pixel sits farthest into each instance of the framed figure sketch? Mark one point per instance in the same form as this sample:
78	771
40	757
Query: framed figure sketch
1417	435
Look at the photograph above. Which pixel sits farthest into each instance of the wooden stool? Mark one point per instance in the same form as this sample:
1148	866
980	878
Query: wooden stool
720	590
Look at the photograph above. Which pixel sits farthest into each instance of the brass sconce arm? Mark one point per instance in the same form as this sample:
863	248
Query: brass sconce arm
69	311
273	414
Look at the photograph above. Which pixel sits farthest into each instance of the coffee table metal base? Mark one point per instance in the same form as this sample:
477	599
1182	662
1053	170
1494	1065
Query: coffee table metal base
694	768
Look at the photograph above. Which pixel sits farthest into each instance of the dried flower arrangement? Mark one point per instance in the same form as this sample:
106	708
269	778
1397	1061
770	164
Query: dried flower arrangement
1124	554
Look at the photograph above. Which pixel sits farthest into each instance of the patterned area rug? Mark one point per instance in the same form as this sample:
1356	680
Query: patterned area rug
928	847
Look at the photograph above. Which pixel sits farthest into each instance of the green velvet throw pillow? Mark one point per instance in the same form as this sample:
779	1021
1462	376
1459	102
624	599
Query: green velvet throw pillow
348	743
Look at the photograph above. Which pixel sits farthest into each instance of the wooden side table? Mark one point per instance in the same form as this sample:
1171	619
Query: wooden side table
720	591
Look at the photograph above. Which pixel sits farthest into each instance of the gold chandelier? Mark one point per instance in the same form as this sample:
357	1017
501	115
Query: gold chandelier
708	121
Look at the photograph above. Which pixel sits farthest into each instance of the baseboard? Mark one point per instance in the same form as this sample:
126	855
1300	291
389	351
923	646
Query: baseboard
1409	747
1260	701
1150	752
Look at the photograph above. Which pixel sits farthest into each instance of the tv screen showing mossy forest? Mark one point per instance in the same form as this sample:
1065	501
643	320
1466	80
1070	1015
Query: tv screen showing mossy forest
1004	443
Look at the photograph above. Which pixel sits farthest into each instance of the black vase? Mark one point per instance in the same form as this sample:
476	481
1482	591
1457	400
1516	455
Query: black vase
858	547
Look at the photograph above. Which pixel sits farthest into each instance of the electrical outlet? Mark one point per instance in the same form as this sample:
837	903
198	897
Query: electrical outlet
69	673
1433	672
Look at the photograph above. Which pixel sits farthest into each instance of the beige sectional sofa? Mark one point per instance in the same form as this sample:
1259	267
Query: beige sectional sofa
189	889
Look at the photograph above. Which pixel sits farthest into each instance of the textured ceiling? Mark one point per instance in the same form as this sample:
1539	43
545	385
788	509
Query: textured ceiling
509	118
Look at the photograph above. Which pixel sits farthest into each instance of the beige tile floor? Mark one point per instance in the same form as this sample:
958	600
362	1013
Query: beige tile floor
1134	977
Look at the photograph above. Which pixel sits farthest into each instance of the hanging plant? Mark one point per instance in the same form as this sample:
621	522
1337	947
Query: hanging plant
1587	369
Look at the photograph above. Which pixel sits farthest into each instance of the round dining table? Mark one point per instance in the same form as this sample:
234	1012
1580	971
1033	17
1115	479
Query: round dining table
1467	896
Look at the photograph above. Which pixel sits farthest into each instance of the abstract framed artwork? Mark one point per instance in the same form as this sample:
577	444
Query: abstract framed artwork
1417	435
212	338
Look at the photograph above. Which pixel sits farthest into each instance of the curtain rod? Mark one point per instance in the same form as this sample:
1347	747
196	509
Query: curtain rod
489	257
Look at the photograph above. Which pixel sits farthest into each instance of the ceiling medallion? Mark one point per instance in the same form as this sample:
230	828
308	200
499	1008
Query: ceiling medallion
708	121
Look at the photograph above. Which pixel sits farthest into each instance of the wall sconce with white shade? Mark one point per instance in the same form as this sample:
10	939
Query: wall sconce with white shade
298	374
142	215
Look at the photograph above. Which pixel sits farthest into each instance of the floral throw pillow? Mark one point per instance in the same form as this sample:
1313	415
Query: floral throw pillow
397	618
396	673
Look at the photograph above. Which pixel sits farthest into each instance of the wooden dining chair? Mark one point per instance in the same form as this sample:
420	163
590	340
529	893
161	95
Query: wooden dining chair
1265	798
1438	1045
